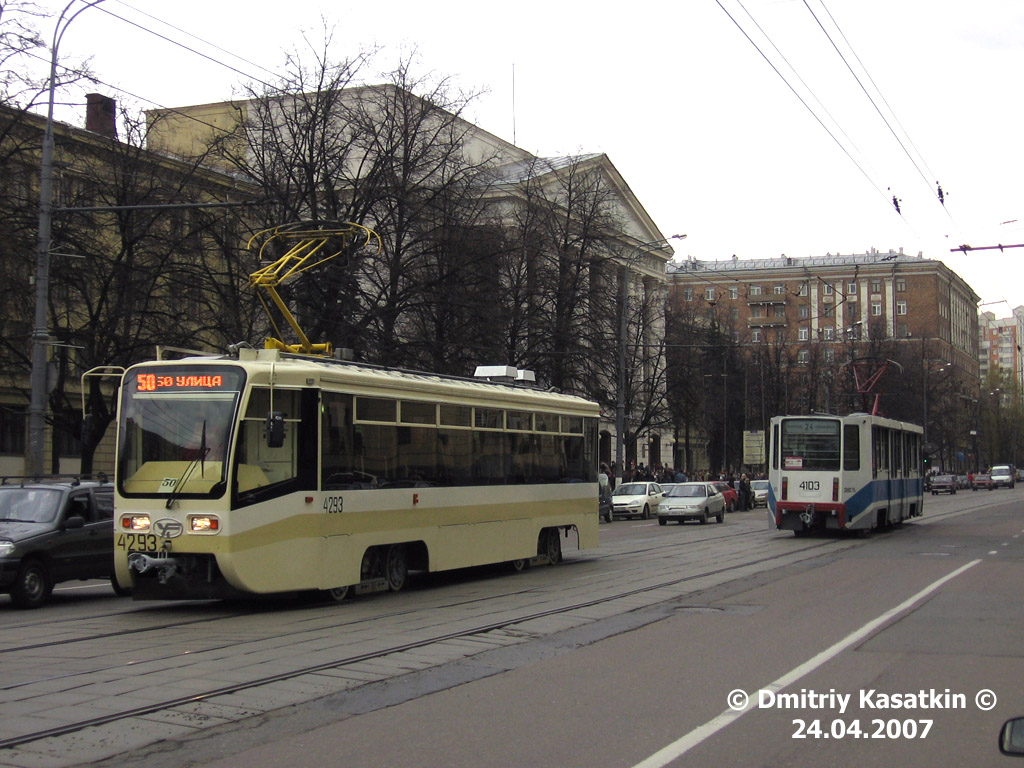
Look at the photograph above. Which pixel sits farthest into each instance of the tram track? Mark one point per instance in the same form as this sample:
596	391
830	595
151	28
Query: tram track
810	550
271	604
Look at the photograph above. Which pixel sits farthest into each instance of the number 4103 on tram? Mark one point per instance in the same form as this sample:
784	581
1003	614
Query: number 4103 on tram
849	473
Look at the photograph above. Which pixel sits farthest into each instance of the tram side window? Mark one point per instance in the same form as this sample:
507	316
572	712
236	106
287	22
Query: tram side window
337	459
897	452
851	447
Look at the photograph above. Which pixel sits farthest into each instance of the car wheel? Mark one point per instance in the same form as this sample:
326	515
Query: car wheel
720	517
731	507
662	521
704	518
32	585
647	513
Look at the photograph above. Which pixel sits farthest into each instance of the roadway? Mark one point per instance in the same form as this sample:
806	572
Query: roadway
623	656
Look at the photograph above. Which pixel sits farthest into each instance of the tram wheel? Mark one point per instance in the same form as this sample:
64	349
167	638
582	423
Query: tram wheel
338	594
551	545
518	565
396	567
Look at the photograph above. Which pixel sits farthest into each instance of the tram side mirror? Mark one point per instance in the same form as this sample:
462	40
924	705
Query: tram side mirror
1011	737
275	429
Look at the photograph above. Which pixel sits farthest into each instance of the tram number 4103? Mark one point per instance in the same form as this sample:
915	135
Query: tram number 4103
810	485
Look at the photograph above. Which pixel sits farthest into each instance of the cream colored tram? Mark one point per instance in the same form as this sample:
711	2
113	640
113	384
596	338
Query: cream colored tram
264	472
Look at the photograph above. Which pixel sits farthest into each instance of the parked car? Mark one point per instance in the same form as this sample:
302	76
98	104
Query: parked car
760	489
52	532
636	500
692	501
982	480
943	484
1003	476
729	493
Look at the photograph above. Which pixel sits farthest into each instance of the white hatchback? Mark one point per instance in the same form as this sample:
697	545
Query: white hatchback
636	500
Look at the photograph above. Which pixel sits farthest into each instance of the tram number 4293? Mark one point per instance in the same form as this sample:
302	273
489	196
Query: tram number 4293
810	485
334	504
138	542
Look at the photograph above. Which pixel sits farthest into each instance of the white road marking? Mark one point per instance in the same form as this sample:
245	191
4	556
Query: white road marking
679	747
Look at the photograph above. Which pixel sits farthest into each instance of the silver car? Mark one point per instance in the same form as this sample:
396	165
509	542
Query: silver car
692	501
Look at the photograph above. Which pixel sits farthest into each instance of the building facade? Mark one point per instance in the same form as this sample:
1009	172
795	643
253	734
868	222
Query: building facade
813	330
999	345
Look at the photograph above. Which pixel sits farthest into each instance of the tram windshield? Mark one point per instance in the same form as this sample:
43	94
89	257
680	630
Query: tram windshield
175	429
811	444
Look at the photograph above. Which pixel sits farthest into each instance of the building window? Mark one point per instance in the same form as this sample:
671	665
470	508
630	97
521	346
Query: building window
829	334
757	310
734	314
755	335
12	430
901	284
779	310
804	334
901	307
828	289
734	292
851	289
805	311
902	330
709	294
803	356
780	289
876	286
735	337
852	310
755	290
830	310
876	309
688	293
830	355
805	289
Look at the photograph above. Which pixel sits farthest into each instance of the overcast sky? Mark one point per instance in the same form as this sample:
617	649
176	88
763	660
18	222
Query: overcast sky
712	140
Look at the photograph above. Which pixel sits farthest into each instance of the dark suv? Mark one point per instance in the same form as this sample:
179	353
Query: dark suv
52	530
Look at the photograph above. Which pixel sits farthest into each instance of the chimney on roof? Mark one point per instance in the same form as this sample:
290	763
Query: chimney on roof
101	115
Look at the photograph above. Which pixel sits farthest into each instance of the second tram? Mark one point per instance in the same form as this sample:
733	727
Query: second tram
266	472
849	473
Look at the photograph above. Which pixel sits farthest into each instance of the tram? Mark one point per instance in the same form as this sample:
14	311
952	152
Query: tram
849	473
263	471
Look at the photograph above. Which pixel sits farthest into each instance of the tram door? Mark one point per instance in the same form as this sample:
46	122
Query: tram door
898	478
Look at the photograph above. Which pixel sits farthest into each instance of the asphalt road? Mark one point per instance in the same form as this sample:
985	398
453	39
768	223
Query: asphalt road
818	633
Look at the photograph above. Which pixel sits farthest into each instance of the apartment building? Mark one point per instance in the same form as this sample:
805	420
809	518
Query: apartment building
999	344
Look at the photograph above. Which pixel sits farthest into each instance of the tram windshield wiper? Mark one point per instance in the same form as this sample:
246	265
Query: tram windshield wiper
199	458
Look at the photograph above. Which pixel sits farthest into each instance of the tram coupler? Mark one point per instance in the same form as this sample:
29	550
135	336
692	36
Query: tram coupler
165	567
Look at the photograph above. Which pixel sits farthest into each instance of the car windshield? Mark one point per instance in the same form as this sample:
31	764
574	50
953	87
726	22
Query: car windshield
944	479
29	505
760	485
631	489
688	491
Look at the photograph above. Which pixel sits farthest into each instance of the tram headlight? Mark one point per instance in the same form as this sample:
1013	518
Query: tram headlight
136	522
203	524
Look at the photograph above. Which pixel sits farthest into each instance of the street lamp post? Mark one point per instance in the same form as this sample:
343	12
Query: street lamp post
620	405
40	330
